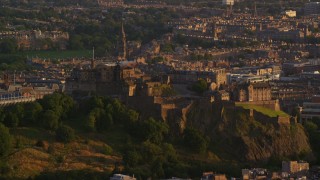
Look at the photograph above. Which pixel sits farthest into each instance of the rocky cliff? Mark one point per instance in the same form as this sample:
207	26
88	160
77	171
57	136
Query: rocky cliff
236	135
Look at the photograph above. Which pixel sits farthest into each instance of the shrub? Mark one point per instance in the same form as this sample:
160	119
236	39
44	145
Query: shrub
5	140
65	134
50	120
107	150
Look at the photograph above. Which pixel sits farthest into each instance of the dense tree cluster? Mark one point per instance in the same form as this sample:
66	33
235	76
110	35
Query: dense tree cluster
200	86
312	127
5	141
150	151
49	113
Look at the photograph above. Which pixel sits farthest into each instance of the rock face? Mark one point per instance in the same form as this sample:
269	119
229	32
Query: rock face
237	135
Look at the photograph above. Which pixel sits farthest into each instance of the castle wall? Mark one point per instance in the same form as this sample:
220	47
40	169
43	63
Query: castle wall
145	106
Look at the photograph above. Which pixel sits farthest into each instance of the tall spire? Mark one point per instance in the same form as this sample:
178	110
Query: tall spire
123	46
255	9
92	60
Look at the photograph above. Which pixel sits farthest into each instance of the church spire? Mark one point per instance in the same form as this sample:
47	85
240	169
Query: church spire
123	46
93	64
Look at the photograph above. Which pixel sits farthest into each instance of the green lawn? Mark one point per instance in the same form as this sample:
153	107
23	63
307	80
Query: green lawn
57	54
263	110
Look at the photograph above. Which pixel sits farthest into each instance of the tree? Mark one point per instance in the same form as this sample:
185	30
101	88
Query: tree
5	140
90	122
132	158
32	113
11	120
8	46
151	130
104	121
194	140
168	48
13	115
65	134
75	43
50	120
61	104
200	86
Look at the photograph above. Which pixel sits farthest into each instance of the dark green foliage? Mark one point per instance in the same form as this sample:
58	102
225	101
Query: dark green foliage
146	153
107	150
99	119
13	62
8	46
32	113
50	120
200	86
5	140
150	129
314	136
61	104
11	120
156	60
132	158
194	140
13	115
65	134
168	48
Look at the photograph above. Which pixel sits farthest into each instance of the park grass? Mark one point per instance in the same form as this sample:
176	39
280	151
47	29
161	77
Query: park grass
263	110
57	54
53	54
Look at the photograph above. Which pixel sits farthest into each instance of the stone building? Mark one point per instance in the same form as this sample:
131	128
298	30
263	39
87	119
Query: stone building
295	167
213	176
252	92
110	3
217	76
103	79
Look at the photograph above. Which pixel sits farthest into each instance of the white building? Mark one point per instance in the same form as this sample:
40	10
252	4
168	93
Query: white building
228	2
310	110
122	177
312	8
291	13
314	61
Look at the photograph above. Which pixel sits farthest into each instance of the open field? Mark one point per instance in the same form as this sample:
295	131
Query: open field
263	110
55	54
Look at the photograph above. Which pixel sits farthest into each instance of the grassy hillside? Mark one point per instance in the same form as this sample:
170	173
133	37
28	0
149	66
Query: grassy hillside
103	136
35	151
263	110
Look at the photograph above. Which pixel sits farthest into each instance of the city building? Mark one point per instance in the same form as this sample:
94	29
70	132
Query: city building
110	3
122	177
252	92
213	176
312	8
103	79
291	13
228	2
256	173
217	76
295	168
311	109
